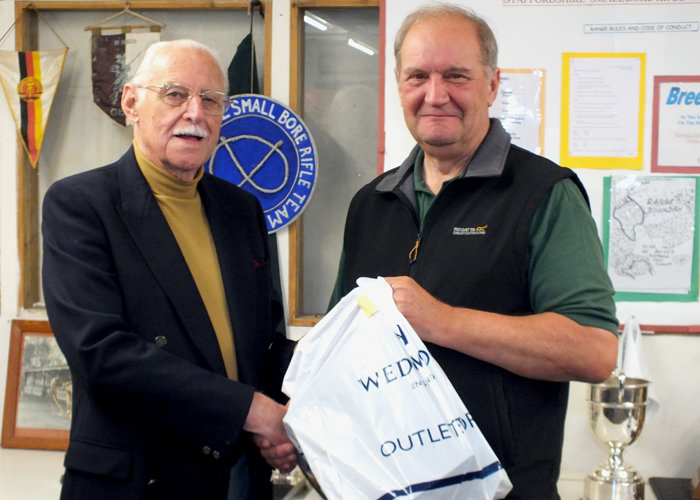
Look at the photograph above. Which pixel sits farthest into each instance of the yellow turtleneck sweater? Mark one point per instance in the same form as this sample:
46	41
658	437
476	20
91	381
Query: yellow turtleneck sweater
182	207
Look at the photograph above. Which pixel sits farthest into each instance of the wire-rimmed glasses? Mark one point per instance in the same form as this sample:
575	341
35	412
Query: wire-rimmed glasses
176	94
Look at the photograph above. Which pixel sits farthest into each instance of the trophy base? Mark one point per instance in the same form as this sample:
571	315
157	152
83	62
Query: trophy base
596	488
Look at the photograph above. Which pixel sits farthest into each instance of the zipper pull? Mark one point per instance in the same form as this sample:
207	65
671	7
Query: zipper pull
413	254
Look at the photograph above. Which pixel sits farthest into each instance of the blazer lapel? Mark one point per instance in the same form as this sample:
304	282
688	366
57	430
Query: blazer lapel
156	242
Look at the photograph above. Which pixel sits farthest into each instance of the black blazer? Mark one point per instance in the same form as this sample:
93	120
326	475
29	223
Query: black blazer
154	415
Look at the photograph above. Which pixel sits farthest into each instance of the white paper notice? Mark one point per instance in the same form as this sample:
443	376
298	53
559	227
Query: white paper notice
518	106
604	106
679	124
652	223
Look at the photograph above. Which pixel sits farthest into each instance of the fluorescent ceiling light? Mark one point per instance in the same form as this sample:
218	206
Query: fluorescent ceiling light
360	46
316	22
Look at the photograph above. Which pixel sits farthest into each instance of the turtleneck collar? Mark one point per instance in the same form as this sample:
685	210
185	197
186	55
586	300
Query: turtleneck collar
163	183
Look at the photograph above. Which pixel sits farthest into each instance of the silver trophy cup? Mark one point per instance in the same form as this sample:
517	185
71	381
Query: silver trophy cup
616	410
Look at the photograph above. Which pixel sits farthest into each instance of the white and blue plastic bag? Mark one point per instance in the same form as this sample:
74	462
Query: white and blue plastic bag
374	415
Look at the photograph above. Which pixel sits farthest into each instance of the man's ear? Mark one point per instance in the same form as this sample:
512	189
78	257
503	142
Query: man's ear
130	97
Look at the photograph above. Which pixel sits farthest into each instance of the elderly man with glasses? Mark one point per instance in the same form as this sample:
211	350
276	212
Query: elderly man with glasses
157	286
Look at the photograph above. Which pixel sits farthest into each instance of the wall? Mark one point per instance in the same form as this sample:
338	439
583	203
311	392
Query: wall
670	443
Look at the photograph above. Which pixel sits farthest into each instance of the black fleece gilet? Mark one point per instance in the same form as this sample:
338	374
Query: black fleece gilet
474	253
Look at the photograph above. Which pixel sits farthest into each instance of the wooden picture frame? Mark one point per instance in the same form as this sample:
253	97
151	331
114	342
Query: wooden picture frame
38	390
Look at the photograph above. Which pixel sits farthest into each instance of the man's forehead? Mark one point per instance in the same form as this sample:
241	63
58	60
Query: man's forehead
443	55
440	68
174	67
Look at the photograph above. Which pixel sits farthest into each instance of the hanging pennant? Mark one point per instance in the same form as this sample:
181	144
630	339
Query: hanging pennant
115	59
29	80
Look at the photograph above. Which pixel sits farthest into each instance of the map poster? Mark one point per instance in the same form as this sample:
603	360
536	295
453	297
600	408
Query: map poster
651	237
675	145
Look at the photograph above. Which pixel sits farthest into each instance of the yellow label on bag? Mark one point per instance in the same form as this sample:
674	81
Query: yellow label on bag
366	305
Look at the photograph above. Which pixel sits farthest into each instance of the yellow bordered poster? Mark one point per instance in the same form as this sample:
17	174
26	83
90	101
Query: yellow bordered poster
602	110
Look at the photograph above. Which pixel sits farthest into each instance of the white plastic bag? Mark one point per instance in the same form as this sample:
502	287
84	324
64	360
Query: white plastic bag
374	415
632	362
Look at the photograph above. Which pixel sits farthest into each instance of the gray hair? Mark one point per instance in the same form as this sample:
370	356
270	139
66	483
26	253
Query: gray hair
143	73
487	40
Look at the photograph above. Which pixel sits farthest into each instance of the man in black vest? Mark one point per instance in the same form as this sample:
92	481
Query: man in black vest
490	250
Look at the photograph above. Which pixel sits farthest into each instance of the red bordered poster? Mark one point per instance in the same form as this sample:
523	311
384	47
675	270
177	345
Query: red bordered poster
675	145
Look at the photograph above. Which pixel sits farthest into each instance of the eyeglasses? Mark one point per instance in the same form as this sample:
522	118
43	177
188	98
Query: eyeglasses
175	94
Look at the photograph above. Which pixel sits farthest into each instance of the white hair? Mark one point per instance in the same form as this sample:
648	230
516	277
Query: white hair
143	73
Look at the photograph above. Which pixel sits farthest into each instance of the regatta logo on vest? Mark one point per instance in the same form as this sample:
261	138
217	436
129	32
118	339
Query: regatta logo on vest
469	231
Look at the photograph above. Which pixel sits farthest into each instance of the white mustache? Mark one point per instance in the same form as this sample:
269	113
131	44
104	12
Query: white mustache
194	130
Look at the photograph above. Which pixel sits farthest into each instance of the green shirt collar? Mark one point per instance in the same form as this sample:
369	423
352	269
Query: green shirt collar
419	183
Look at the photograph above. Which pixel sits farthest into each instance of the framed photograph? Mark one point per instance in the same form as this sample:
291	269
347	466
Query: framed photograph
39	390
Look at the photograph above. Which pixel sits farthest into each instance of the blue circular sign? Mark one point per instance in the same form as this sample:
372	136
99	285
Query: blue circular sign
266	149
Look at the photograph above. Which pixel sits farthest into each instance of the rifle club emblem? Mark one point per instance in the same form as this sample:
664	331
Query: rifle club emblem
266	149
